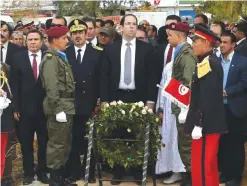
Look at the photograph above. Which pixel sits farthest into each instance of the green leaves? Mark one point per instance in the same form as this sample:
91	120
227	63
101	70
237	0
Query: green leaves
133	119
223	10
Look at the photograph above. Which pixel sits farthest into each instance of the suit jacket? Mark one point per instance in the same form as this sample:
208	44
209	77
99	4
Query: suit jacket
242	48
12	50
28	94
87	78
145	81
206	103
236	85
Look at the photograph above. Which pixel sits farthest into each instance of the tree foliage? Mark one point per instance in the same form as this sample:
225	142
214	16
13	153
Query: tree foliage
98	8
223	10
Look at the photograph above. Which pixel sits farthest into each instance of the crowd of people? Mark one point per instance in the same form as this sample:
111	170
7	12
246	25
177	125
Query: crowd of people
56	74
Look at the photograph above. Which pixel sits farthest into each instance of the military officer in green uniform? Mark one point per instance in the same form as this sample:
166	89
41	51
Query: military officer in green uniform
183	67
58	105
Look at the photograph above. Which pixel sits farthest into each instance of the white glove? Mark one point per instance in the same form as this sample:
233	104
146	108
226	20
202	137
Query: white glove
61	117
183	115
196	133
4	103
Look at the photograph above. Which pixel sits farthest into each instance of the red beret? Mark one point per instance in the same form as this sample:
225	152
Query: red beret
57	31
182	27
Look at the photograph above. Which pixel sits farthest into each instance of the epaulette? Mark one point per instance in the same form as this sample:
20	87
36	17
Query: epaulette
97	48
203	68
49	55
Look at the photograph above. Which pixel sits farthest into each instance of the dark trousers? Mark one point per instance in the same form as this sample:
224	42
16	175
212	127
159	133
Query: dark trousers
231	154
28	125
79	146
126	96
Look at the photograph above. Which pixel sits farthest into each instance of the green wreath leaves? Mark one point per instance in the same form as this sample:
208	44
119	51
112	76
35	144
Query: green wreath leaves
125	121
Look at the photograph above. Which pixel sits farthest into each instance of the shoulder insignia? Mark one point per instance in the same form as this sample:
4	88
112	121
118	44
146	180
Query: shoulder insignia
97	48
49	55
203	68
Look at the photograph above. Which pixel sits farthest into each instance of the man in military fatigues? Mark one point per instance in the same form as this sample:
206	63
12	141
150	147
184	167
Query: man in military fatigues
58	105
182	70
85	61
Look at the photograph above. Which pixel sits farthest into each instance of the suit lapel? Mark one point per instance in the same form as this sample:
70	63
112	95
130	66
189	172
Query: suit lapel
27	64
231	68
138	55
9	52
117	61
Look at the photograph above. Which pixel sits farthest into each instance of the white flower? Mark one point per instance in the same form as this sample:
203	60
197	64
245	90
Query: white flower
123	112
146	107
135	103
106	105
129	130
144	112
114	103
140	104
120	102
157	120
150	111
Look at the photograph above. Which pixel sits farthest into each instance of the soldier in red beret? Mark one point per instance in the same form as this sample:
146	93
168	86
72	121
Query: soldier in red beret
205	120
182	69
58	82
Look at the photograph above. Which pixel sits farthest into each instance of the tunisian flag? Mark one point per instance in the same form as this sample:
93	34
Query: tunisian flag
156	2
177	93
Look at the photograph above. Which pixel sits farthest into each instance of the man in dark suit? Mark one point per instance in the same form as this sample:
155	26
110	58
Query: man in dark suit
85	62
127	73
231	149
8	49
28	96
240	31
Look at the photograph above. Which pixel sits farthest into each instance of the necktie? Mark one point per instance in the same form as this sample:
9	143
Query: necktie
78	59
127	64
169	55
34	66
2	47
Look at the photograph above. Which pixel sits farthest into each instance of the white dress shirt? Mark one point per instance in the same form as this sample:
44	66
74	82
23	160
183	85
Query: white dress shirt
83	48
122	84
94	41
4	50
38	59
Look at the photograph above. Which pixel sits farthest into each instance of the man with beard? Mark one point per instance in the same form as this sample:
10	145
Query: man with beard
85	62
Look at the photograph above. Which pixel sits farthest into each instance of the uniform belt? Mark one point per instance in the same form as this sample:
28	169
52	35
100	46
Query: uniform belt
63	94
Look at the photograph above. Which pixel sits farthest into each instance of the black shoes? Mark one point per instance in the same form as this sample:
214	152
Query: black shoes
27	180
43	178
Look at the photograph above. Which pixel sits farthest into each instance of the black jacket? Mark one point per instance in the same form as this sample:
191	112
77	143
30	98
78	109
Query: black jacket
87	77
145	77
206	104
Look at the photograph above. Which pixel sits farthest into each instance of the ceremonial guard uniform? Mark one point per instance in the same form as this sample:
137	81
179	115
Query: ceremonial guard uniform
59	107
205	120
7	125
85	62
182	70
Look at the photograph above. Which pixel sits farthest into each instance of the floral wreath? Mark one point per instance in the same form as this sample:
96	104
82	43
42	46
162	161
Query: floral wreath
125	121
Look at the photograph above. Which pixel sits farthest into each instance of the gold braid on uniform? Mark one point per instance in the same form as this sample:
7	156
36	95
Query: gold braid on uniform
4	80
